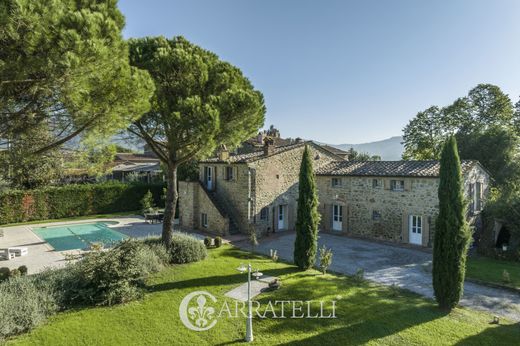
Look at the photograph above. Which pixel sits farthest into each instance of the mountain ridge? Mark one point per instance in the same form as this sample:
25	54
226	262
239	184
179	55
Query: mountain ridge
390	149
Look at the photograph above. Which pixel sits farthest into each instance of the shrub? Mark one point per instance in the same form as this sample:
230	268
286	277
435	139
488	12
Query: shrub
73	200
156	245
217	241
22	270
506	278
273	254
109	277
23	305
207	242
147	201
4	273
186	249
359	276
325	259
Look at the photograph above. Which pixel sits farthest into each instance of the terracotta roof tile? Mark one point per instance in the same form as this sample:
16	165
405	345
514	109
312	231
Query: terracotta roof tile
388	168
256	155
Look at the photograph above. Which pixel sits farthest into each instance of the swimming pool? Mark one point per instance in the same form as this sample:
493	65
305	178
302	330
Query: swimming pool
79	236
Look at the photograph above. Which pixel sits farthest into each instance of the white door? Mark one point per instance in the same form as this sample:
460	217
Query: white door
209	178
337	217
281	217
416	226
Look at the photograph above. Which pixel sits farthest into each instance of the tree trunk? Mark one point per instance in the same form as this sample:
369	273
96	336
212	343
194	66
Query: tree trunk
172	196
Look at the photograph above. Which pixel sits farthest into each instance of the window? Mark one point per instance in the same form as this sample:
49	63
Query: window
397	185
416	224
336	182
229	173
472	198
376	215
337	213
264	214
204	220
377	183
475	195
478	197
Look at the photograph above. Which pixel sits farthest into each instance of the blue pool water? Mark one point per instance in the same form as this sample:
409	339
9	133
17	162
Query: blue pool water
79	236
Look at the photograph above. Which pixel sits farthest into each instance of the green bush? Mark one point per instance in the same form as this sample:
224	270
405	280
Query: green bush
74	200
156	245
4	273
23	305
217	241
147	201
207	242
325	259
108	277
187	249
23	270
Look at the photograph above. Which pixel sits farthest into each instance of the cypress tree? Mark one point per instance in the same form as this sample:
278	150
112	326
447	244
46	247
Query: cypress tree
452	233
307	219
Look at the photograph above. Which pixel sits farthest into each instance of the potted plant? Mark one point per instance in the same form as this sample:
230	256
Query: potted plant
275	284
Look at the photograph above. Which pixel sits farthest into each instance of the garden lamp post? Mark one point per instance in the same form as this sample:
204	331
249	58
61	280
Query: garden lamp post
249	321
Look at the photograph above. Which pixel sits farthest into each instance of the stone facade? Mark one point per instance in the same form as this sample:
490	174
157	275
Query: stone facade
275	187
195	201
260	190
371	208
242	189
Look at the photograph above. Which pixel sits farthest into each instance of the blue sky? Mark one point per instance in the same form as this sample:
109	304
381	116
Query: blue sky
348	71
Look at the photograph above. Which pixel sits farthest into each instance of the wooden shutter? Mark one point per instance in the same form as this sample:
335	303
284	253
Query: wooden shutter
214	178
344	224
290	217
326	217
405	231
407	184
425	230
386	184
276	216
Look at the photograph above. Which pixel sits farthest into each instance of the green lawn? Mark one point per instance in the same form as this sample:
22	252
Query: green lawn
75	218
490	270
367	314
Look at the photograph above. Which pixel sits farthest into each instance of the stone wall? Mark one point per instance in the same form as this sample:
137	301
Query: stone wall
233	195
276	183
359	199
193	202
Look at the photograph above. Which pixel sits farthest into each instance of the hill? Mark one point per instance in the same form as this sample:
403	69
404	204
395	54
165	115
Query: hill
389	149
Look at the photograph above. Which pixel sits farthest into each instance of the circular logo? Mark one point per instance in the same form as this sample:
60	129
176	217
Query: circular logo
194	312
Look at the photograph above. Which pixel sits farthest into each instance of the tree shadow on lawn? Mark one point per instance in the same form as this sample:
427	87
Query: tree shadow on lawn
495	335
217	280
364	312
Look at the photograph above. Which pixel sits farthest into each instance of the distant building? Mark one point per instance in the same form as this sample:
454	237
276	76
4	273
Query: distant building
144	167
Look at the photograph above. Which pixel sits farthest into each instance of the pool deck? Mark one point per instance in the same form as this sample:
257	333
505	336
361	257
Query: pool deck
42	256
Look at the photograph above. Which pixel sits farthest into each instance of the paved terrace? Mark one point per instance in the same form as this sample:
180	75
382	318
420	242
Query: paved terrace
41	255
394	265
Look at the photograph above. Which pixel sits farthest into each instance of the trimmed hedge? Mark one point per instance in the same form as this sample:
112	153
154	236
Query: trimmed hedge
74	200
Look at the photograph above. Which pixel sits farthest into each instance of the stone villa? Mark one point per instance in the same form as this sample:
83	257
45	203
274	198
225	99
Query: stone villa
388	200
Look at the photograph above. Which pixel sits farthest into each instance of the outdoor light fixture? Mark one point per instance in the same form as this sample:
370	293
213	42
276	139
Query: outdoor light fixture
249	321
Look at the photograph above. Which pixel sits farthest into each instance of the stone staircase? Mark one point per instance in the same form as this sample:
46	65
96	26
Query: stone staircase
224	208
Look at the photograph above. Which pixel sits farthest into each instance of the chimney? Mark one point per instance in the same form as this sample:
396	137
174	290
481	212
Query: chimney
223	153
260	138
268	146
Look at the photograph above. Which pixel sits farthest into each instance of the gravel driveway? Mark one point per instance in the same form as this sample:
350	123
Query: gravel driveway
403	267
